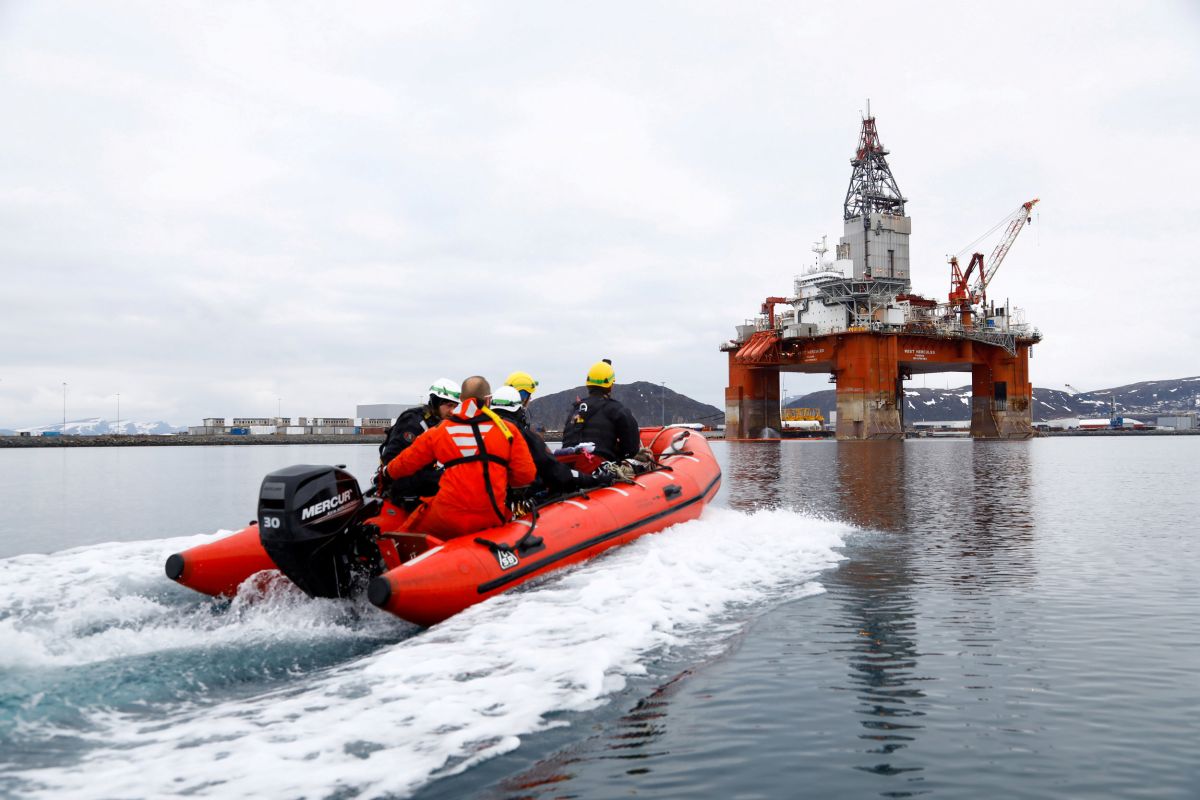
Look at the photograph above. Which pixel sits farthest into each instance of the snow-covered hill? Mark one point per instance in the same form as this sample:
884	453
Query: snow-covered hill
97	426
1146	399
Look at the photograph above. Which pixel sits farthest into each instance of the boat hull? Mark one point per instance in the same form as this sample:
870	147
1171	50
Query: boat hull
219	568
470	569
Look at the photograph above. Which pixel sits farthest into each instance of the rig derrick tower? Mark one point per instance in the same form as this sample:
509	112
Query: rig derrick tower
874	204
873	190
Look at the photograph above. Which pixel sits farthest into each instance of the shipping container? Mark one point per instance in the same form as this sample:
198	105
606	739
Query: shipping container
331	421
239	431
387	411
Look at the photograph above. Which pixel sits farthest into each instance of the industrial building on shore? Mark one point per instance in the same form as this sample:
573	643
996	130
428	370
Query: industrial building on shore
369	419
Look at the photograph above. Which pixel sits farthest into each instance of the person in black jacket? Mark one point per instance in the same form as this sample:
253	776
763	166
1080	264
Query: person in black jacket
601	420
554	476
443	397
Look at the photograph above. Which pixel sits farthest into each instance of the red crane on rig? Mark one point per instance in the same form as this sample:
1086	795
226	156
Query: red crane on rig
768	308
963	292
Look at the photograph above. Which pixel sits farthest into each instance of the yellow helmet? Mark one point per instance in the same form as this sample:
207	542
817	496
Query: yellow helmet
522	382
601	374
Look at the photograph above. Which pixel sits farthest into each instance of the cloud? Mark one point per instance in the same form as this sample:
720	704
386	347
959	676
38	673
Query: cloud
208	208
579	145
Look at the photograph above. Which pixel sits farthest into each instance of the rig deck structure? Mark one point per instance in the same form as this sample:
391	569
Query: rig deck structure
871	333
870	368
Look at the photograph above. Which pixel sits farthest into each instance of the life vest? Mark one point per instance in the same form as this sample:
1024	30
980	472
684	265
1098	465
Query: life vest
479	453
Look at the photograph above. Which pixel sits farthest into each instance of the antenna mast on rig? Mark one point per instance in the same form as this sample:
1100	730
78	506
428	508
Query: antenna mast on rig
820	249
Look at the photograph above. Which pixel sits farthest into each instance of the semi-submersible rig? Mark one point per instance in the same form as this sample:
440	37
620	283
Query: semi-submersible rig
857	319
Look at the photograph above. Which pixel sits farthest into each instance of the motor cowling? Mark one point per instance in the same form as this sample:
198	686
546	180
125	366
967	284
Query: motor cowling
309	524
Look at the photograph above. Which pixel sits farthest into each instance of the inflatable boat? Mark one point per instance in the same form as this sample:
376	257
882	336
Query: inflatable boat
316	527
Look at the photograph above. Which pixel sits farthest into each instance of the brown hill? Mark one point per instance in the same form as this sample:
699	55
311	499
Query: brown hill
651	404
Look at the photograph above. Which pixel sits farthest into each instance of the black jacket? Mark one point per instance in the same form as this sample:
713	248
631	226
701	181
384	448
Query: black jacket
408	426
604	422
555	476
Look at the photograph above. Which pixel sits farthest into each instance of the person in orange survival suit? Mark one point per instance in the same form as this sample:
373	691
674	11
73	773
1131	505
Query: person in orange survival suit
482	457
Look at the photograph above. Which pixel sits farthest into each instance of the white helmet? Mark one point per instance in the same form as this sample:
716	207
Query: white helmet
506	398
445	389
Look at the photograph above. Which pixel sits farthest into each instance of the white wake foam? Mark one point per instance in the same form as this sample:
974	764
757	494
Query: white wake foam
104	602
467	689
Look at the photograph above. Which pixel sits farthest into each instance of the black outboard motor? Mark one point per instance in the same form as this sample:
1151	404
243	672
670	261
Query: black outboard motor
308	522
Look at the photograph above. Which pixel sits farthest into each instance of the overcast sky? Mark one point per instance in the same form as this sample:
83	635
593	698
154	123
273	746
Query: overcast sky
225	208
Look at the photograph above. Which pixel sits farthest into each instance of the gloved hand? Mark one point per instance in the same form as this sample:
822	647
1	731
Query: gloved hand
597	480
645	455
382	480
520	500
616	470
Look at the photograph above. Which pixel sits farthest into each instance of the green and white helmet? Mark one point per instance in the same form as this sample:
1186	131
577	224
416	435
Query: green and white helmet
445	389
506	398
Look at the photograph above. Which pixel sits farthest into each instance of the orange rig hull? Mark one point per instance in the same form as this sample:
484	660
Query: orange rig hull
424	580
869	369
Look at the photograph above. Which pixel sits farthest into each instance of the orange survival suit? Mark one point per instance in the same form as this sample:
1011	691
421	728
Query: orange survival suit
481	456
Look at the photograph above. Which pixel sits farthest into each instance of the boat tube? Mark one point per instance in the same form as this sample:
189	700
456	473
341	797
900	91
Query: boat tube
316	527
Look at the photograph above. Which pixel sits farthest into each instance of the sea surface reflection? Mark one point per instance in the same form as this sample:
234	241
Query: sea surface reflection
1006	624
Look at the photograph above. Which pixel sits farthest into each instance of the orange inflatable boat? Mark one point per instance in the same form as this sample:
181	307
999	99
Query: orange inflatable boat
315	526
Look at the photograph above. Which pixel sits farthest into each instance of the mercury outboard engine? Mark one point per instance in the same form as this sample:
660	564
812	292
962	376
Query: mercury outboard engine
308	522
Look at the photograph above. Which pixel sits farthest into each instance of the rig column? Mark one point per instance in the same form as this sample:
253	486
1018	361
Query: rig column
868	372
751	401
1002	396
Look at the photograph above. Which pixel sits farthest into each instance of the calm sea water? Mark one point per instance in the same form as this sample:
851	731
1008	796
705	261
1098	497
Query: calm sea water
935	618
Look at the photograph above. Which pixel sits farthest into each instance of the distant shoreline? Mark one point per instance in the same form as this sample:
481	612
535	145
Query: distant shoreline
154	440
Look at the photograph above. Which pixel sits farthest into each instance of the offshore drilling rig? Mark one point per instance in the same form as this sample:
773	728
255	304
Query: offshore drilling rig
857	319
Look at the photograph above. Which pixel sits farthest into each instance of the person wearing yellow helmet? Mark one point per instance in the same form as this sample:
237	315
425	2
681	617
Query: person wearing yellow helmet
601	375
600	420
524	383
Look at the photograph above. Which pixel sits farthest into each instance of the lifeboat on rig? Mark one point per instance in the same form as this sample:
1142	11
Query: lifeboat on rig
315	526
